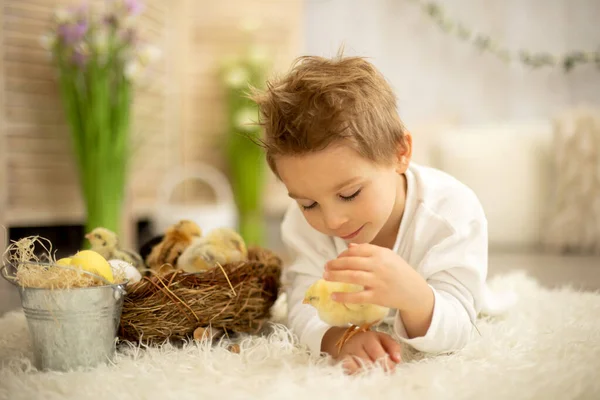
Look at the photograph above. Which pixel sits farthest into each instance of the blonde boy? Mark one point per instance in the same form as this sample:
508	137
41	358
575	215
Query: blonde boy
414	237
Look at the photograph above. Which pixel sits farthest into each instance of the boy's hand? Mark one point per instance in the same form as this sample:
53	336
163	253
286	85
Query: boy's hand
388	280
364	347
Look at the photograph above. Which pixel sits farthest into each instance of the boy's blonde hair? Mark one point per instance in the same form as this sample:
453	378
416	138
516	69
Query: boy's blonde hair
322	101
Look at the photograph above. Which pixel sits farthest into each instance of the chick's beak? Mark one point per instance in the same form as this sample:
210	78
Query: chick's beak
305	301
88	236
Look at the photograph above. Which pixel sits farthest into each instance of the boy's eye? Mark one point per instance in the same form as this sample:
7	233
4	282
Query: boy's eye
344	198
352	196
313	205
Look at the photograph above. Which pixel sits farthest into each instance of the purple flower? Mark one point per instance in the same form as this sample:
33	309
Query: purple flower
81	11
80	56
134	7
72	33
122	12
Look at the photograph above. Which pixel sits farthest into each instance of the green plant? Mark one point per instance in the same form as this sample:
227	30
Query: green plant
247	167
98	55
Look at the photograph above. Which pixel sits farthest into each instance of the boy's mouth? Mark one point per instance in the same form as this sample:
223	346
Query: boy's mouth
353	234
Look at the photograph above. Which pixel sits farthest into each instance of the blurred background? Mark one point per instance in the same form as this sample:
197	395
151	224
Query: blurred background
504	95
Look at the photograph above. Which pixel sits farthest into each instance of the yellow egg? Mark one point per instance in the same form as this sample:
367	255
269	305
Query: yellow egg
93	262
65	262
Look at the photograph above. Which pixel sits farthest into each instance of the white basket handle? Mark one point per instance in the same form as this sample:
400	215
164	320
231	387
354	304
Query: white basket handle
201	172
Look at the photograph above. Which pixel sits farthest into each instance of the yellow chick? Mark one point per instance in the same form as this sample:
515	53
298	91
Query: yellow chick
220	246
360	316
229	239
106	243
93	262
165	254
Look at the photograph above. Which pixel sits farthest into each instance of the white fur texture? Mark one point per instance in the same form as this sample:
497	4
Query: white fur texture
574	214
548	346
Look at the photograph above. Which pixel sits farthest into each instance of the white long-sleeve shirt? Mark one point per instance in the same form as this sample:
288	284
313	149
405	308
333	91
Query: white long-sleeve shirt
442	235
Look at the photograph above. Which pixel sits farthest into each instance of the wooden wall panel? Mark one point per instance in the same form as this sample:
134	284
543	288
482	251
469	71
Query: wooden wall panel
215	32
178	114
3	153
42	186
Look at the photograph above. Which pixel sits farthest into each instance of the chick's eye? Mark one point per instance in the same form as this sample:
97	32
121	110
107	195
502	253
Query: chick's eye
97	235
352	196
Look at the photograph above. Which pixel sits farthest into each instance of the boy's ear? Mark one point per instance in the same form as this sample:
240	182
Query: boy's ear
404	153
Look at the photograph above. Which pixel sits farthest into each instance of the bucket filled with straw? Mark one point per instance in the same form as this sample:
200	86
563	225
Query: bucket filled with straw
72	306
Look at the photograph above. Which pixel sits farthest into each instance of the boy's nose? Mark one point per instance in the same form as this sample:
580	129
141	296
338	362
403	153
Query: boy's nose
335	220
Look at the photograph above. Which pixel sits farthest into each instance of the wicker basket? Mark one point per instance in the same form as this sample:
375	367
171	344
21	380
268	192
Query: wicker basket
236	298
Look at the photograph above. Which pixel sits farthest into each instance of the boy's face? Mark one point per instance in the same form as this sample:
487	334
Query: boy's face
343	194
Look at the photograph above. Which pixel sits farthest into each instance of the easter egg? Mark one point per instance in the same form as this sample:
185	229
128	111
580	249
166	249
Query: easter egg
65	262
93	262
131	273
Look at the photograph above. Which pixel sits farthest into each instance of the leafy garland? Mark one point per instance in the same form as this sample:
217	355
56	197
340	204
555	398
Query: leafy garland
483	42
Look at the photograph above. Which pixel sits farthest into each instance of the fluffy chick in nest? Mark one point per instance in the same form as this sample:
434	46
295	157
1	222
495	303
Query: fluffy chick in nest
106	243
361	317
220	246
164	255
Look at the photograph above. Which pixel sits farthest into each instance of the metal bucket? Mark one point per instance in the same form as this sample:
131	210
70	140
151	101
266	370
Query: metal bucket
71	328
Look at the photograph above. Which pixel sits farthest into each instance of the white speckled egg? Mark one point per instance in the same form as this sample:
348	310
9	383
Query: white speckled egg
131	272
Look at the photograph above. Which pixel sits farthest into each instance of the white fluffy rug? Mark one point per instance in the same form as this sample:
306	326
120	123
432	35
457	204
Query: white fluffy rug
547	347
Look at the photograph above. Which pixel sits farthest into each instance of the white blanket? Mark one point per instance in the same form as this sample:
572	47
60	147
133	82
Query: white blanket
548	346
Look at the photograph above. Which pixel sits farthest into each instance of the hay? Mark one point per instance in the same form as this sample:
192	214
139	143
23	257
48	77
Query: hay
33	265
24	251
236	297
54	277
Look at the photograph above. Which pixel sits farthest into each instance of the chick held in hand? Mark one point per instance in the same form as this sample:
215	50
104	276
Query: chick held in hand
106	243
360	317
164	255
220	246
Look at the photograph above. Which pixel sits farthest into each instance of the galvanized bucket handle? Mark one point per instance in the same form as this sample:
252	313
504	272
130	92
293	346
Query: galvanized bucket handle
4	273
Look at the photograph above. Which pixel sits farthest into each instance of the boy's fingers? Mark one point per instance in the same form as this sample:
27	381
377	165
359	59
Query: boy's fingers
387	363
344	253
375	350
392	347
357	277
350	263
350	365
353	363
365	296
357	250
378	354
345	263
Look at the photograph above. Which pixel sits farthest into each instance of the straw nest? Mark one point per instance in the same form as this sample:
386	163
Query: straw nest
235	297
